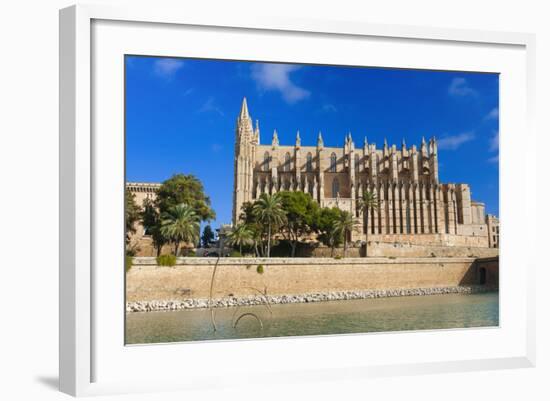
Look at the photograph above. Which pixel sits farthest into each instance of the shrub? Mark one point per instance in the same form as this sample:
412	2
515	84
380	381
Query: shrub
128	263
260	269
166	260
191	253
235	254
338	257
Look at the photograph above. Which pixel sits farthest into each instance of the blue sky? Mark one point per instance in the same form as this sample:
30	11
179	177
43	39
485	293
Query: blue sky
181	113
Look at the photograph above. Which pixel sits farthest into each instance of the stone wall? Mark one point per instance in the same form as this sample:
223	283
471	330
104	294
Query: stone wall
490	265
239	277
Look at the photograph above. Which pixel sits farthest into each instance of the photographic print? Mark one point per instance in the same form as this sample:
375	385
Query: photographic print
283	199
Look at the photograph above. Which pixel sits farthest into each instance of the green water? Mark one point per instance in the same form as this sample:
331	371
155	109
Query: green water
336	317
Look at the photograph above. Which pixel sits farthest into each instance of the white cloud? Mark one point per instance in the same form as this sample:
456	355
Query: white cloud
329	108
494	147
492	115
452	142
210	106
494	142
459	87
276	77
167	67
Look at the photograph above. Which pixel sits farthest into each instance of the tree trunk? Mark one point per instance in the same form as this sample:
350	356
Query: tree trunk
176	246
345	243
269	240
293	248
366	231
241	249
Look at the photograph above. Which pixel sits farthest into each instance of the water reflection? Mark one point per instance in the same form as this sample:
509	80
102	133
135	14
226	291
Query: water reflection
337	317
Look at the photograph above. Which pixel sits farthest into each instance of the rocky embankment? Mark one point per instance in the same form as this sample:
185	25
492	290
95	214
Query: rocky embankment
196	303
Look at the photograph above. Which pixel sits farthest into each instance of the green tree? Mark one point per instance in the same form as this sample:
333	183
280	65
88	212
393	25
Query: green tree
343	226
301	217
131	214
207	236
326	223
239	236
187	189
366	203
151	221
268	210
257	230
180	224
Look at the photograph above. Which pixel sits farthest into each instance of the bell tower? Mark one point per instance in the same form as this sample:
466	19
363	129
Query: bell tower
245	149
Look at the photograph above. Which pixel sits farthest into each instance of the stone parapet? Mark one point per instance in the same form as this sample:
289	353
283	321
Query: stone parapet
191	277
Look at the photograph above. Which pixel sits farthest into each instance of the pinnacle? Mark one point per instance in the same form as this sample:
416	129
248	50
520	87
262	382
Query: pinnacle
244	110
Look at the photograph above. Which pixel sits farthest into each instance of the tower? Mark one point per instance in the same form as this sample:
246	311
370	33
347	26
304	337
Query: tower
245	148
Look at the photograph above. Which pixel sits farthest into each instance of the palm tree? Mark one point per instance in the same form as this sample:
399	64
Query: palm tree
241	235
345	224
368	202
268	210
180	224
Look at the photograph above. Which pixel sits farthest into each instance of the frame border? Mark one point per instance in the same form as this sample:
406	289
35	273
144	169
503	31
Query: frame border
75	171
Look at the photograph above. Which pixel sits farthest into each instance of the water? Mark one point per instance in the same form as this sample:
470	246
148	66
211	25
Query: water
336	317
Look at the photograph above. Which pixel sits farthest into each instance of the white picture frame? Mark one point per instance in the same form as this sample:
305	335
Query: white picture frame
82	344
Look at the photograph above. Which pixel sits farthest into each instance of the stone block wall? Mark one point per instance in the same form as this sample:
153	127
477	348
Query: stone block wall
191	277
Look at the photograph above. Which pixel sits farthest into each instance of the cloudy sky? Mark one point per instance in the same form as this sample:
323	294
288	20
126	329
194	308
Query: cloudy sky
181	113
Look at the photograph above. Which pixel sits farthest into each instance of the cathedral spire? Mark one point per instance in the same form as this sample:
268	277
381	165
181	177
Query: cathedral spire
403	145
244	110
423	148
257	132
366	143
298	140
320	140
275	139
434	148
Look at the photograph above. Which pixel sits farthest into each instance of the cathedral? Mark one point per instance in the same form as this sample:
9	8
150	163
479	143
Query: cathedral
412	204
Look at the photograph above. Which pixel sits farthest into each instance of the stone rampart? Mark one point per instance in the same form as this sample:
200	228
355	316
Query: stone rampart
191	277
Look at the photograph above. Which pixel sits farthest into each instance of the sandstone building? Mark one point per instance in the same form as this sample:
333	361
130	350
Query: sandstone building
416	216
413	205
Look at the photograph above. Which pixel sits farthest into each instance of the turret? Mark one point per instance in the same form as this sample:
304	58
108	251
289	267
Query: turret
320	143
245	140
414	163
423	149
298	140
244	124
275	140
434	168
393	163
257	133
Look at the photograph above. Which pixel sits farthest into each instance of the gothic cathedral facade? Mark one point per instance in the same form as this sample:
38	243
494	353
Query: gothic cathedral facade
411	200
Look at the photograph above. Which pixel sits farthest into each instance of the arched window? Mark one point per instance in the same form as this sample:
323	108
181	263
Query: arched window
335	188
333	162
266	161
357	164
286	167
309	163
